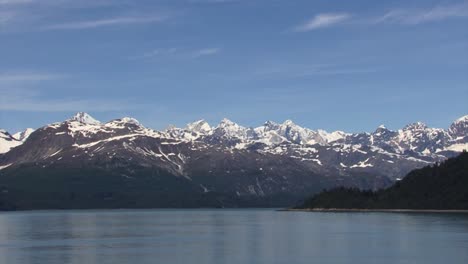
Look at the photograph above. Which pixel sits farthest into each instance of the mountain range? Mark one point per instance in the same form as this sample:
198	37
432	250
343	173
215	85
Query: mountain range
202	165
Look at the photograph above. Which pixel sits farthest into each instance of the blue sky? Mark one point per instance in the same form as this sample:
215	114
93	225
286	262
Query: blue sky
347	65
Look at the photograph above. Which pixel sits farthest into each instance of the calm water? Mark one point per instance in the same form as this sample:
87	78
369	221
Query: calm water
231	236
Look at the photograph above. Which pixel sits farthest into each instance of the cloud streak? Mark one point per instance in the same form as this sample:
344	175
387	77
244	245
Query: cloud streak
29	77
105	23
206	52
306	71
177	53
14	2
63	105
395	16
20	93
322	20
154	53
414	17
212	1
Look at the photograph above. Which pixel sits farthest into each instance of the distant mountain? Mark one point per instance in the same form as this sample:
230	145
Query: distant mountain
23	135
440	186
7	141
223	165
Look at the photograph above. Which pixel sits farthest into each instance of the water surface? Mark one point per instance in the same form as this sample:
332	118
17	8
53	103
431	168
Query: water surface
231	236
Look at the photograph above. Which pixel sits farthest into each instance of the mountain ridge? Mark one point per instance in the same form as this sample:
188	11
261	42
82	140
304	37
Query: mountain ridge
234	162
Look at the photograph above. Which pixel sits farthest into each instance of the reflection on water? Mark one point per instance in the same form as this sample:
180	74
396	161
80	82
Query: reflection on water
231	236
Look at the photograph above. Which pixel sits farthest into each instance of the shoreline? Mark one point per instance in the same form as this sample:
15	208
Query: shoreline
356	210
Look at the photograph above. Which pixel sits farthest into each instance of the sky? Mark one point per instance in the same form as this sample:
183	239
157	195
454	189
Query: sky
334	65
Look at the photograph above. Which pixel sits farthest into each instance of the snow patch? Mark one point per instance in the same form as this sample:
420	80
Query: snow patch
362	164
458	147
5	166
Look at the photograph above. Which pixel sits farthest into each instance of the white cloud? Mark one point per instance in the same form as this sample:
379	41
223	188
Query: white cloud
206	52
105	22
413	17
322	20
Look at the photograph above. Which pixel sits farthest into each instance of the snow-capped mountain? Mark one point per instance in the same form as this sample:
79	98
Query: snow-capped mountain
84	118
458	132
288	132
228	129
200	127
229	159
7	141
23	135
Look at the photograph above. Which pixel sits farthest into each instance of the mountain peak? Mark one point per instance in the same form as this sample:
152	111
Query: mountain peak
130	120
270	125
84	118
227	122
7	142
289	122
459	127
415	126
269	122
200	126
23	135
381	129
461	119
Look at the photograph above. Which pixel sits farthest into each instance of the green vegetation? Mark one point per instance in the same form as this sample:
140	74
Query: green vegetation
440	186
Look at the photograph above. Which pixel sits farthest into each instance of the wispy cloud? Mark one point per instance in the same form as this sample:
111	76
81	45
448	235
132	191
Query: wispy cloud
15	2
29	77
20	92
180	53
154	53
61	3
395	16
322	20
206	52
105	22
32	15
6	16
13	103
305	71
212	1
419	16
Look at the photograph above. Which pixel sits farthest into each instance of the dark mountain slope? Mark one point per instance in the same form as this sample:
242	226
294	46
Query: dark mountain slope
62	187
441	186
